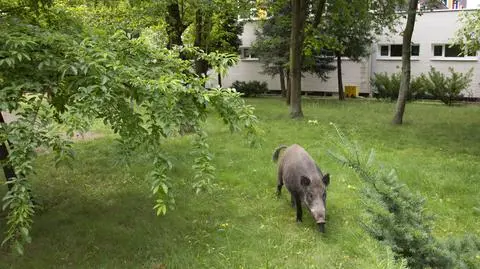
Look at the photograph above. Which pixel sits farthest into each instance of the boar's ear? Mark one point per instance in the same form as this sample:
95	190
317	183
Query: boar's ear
326	179
305	181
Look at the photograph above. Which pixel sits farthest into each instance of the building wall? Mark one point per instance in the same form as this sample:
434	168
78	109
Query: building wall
251	69
246	70
473	4
431	28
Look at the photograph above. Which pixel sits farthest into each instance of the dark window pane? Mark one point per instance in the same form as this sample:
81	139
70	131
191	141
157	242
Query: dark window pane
396	50
415	50
384	50
438	50
453	51
246	53
456	49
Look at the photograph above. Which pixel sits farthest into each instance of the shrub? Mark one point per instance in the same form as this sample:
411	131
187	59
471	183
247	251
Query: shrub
250	88
416	89
387	87
397	217
446	89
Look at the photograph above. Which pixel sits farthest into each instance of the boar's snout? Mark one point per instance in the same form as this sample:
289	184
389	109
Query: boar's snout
318	213
319	216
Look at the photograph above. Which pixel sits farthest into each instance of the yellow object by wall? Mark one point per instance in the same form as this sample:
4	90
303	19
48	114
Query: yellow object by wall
351	90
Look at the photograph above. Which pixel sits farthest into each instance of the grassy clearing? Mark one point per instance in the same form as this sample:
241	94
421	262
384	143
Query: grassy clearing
99	215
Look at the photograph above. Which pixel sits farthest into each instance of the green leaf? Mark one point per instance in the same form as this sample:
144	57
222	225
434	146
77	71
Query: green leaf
24	232
18	247
104	80
164	187
74	70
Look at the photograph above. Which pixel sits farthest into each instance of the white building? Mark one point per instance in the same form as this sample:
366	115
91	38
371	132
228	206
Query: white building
433	32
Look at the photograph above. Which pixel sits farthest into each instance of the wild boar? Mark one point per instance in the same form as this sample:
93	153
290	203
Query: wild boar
304	180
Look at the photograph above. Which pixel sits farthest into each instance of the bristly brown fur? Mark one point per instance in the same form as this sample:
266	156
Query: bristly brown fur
302	177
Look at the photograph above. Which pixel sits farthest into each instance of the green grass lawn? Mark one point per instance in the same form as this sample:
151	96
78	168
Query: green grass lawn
99	214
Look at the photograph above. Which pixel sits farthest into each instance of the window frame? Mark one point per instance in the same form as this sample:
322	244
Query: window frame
389	52
441	51
443	56
246	55
381	51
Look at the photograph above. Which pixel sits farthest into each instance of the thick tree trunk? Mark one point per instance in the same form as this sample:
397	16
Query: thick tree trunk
201	22
281	72
289	87
299	16
7	168
175	25
318	12
201	67
341	94
406	48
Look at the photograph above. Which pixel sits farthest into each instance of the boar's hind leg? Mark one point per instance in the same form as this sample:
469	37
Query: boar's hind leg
279	189
298	203
292	200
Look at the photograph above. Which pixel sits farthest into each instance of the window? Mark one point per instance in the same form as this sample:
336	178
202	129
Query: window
415	50
395	50
246	53
449	51
454	51
384	51
438	50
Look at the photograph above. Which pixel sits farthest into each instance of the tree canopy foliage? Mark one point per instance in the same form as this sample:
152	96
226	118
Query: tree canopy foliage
64	65
468	35
310	20
272	45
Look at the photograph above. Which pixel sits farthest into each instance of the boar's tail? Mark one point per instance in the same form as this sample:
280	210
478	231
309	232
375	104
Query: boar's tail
276	153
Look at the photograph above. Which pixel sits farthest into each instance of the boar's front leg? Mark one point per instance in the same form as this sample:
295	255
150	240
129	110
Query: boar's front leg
298	203
292	200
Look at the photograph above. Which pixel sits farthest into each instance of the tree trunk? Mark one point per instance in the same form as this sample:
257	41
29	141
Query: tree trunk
7	168
219	80
299	16
201	22
175	25
341	94
318	12
281	72
406	48
289	87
